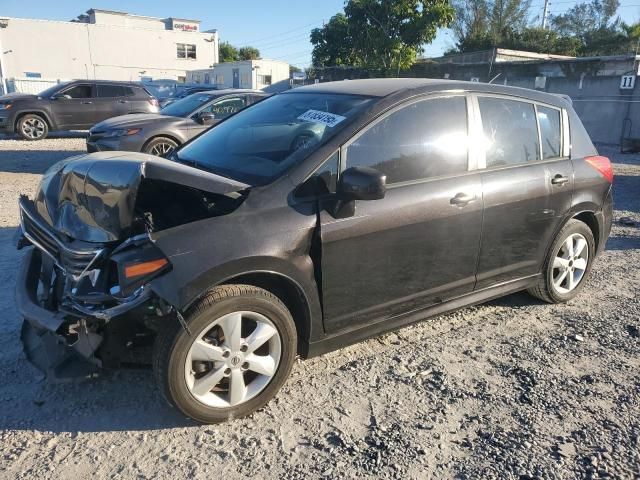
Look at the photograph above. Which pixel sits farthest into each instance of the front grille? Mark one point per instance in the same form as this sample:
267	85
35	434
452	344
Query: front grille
40	234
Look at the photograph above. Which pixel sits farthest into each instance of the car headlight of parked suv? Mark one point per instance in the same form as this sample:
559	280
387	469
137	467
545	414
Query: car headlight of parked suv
121	132
5	106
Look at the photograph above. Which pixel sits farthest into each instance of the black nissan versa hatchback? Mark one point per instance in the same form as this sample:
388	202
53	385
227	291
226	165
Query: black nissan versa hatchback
308	221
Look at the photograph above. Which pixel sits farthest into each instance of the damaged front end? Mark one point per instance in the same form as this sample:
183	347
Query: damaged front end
83	289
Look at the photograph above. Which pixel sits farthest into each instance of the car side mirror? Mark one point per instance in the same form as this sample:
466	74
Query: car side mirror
206	118
362	183
59	96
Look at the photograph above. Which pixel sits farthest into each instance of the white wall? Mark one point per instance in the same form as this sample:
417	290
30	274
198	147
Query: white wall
248	76
109	52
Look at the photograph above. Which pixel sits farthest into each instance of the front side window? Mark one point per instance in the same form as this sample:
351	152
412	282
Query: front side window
224	108
79	91
261	143
186	50
550	131
423	140
510	131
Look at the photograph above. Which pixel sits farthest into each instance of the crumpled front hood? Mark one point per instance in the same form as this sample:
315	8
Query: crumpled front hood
133	120
92	197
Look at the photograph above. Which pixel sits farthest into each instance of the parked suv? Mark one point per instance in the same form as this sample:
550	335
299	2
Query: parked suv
73	105
409	198
160	133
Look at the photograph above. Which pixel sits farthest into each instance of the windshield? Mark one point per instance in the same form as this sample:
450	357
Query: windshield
185	106
51	90
259	144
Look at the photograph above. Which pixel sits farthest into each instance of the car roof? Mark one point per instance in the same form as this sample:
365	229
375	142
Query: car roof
229	91
108	82
384	87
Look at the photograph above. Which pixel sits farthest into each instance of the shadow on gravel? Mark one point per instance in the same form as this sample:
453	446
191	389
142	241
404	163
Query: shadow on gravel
625	193
623	243
520	299
33	161
61	134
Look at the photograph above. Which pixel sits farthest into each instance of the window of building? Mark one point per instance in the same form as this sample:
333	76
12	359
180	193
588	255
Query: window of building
79	91
264	79
422	140
207	78
550	133
186	50
110	91
220	79
245	79
510	131
182	79
196	78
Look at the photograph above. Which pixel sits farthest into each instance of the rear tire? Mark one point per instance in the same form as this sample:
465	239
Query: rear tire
32	127
160	146
567	265
239	352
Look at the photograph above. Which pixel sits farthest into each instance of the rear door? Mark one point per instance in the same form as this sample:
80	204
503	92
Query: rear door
74	106
110	102
418	245
527	185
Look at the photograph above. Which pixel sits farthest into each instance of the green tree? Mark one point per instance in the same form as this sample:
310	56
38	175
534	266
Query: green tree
585	18
248	53
228	53
380	34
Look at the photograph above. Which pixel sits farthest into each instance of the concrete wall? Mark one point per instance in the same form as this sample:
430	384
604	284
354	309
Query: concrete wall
98	51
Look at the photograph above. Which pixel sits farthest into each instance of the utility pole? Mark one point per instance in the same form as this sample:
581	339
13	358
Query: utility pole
544	14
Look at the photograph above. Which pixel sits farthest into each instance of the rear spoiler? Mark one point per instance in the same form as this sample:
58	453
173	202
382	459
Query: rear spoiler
566	97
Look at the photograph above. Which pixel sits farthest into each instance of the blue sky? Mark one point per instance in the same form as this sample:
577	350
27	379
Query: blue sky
279	28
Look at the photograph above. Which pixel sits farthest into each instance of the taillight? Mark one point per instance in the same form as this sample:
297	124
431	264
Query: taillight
602	165
154	102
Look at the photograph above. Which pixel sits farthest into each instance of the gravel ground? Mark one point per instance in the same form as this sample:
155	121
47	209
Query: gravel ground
511	389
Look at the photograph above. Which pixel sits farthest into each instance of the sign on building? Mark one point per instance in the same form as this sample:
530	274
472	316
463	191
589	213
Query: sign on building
627	82
185	26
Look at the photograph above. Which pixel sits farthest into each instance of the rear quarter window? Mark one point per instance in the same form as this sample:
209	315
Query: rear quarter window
550	131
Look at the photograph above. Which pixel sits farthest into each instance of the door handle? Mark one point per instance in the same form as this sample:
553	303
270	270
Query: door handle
87	103
462	199
559	180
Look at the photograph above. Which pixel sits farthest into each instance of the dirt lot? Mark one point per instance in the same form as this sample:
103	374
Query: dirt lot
511	389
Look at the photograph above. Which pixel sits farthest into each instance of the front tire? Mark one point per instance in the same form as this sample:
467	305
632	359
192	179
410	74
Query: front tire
239	351
160	147
32	127
567	265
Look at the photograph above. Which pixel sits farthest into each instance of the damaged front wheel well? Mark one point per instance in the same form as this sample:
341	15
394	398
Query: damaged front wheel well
288	292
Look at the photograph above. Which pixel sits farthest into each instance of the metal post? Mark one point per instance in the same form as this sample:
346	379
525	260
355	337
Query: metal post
544	14
3	72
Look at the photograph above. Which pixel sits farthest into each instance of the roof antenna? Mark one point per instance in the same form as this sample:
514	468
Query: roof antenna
491	81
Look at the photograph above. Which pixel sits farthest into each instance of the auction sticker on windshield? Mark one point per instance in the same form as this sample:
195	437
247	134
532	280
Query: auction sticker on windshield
328	119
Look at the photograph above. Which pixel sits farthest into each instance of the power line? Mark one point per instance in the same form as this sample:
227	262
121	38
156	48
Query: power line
283	33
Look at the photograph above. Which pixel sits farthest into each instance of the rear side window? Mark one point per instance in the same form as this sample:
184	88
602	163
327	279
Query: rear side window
110	91
550	131
79	91
226	107
510	131
422	140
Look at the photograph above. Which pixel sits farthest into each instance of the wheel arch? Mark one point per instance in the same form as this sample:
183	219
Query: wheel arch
161	135
288	291
45	116
591	220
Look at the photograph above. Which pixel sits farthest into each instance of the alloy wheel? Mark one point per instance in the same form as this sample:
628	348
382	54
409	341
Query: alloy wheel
233	359
570	263
33	128
161	149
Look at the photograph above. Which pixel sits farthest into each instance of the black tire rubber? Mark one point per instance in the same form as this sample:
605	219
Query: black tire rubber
26	117
154	141
544	290
173	343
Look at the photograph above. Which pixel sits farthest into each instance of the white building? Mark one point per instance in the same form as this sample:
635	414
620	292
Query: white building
263	74
105	45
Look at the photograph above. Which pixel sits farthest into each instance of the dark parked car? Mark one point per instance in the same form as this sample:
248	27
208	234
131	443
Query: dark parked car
408	199
160	133
73	105
184	93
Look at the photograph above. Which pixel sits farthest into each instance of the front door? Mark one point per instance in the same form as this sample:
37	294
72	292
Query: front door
74	107
527	187
418	245
236	78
